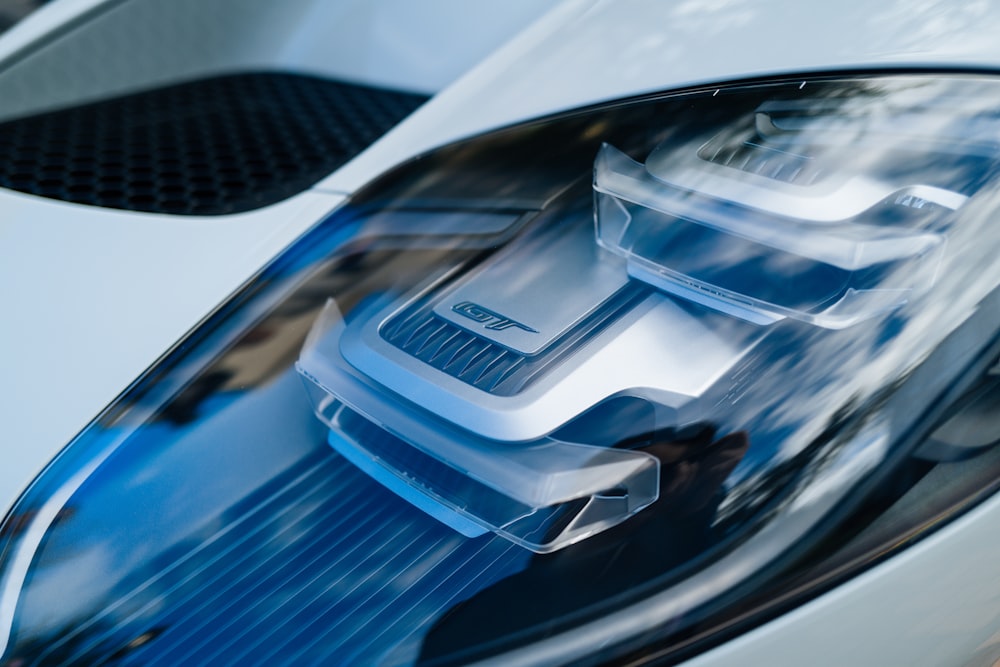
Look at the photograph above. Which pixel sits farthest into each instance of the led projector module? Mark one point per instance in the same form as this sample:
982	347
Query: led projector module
500	394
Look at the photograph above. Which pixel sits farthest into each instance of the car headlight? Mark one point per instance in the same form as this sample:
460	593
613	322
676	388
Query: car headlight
630	367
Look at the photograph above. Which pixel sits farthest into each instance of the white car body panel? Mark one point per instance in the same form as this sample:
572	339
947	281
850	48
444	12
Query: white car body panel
587	51
71	52
934	604
92	297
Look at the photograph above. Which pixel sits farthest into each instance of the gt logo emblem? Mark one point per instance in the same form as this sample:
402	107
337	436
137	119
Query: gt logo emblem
492	320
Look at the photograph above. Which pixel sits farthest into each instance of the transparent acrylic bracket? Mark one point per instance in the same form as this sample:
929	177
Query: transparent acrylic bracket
620	181
842	122
543	495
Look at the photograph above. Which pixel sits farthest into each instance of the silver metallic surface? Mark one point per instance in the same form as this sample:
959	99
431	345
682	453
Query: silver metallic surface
549	284
660	350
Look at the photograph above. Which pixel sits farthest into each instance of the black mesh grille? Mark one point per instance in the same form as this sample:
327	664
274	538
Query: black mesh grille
752	156
460	354
209	147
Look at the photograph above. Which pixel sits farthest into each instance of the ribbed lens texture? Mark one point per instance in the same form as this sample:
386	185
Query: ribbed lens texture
208	147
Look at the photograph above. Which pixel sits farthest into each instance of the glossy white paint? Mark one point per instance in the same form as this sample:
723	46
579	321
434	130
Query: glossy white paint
84	49
586	51
937	604
90	298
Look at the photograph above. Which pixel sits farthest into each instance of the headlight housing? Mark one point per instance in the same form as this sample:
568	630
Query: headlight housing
670	345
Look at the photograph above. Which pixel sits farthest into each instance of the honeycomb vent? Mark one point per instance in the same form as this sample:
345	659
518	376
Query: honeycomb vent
208	147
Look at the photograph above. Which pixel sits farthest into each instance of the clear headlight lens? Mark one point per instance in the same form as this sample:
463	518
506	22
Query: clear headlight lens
614	370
